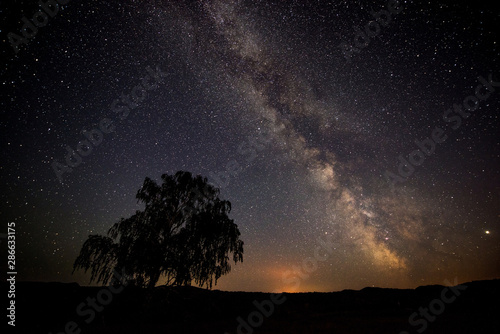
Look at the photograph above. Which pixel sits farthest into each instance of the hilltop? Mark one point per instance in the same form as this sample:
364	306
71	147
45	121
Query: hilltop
52	307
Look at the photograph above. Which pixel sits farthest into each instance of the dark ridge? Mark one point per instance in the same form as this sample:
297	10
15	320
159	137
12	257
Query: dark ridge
50	307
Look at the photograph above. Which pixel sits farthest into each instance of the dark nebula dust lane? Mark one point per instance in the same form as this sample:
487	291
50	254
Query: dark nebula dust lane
358	142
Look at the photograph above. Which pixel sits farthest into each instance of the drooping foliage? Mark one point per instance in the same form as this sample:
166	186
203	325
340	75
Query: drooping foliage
183	235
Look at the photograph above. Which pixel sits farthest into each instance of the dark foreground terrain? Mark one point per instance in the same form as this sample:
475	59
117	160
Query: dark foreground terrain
70	308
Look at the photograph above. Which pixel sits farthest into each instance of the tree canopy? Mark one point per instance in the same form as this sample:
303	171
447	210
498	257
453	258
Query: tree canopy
183	234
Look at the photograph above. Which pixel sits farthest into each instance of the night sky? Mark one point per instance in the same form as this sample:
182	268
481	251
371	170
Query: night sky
300	111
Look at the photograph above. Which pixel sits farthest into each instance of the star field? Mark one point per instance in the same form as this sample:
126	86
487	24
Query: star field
263	99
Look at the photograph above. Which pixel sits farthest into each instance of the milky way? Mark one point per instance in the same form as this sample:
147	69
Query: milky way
262	98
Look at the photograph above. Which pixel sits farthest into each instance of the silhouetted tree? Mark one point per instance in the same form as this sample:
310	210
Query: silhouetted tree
183	234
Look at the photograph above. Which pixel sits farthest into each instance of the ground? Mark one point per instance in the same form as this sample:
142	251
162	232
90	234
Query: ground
66	308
